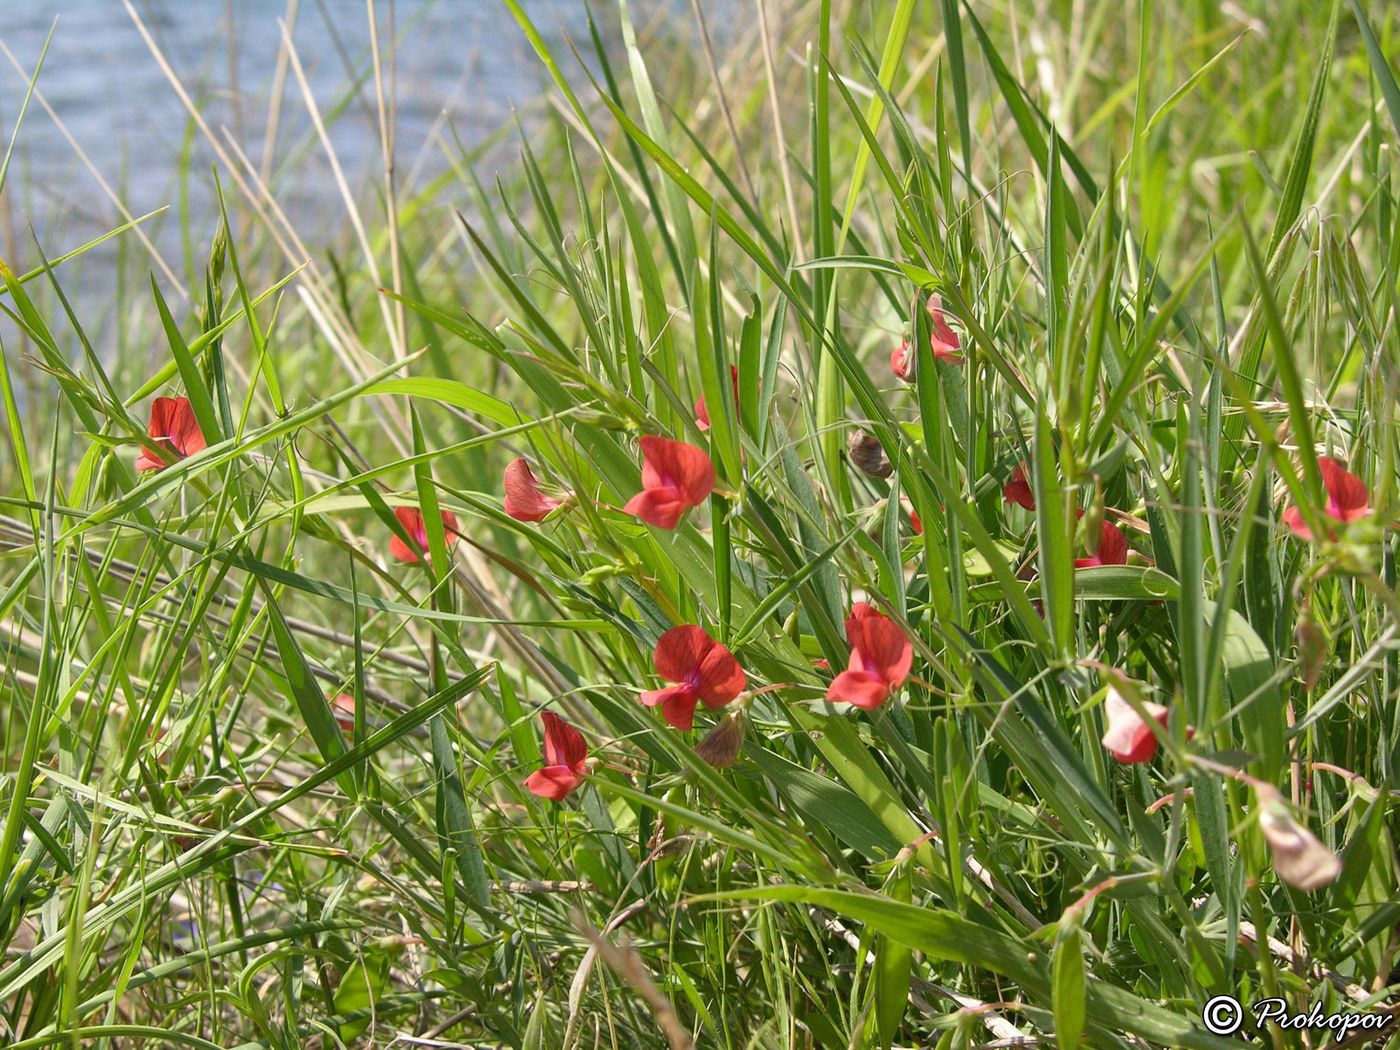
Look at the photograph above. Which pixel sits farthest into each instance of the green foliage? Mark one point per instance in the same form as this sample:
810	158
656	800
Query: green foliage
1168	245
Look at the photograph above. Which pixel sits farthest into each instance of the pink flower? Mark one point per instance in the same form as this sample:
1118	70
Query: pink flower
942	340
1129	739
1018	489
175	430
703	669
565	752
881	657
675	477
343	708
411	518
1347	498
1113	548
525	501
702	415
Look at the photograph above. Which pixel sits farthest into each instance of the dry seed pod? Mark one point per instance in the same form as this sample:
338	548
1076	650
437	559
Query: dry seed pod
866	453
721	745
1299	858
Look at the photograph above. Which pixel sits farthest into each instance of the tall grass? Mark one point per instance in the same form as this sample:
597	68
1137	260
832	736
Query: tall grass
264	784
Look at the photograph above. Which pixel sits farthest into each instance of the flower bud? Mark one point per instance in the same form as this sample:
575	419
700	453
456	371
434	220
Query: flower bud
867	454
721	745
1299	858
1312	651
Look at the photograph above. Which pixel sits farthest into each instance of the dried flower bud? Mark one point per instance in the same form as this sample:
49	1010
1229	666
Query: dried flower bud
1299	858
721	745
867	454
1312	651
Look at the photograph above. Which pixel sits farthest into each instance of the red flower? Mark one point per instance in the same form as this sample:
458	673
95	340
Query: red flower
1347	498
1129	739
703	669
1113	548
1018	489
411	518
343	708
675	477
524	499
880	659
942	340
702	415
174	429
565	752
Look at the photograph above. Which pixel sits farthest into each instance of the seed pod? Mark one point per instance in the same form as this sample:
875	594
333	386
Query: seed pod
867	454
1299	858
721	745
1312	650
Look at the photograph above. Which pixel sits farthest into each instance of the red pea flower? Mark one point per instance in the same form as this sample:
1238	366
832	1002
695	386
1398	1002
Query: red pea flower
1129	739
702	414
565	752
881	657
1113	548
411	518
175	430
703	669
1018	489
942	340
343	708
1347	498
675	477
525	500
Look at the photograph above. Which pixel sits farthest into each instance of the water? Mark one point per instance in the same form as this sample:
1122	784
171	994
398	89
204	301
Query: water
462	69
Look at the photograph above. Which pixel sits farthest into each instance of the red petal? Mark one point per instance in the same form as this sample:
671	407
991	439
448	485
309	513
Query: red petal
146	460
902	361
942	339
918	525
184	430
1293	518
563	744
553	782
883	648
677	704
1347	498
679	710
721	677
864	611
661	507
859	688
1018	489
681	651
1128	738
678	466
343	708
173	427
1113	547
411	518
702	413
524	499
401	551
